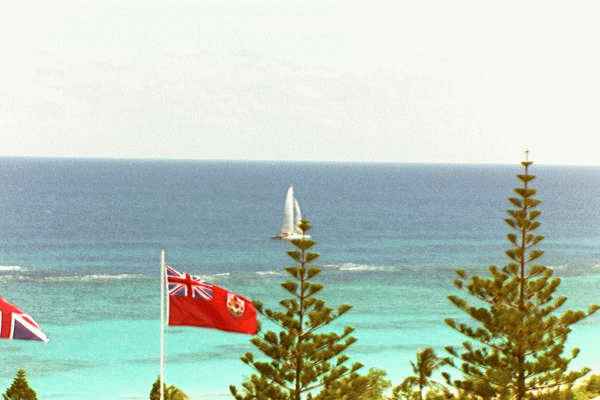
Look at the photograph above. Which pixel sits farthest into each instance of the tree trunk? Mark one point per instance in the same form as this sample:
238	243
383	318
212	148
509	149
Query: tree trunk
297	391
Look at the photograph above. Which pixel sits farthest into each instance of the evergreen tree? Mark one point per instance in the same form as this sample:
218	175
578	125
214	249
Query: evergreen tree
20	390
303	363
420	386
364	387
155	391
515	350
171	392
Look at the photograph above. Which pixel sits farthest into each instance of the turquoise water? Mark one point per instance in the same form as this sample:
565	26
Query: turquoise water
80	242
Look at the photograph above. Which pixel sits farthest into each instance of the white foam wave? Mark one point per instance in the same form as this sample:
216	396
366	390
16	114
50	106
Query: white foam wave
213	277
104	277
269	273
70	278
11	268
359	268
352	267
559	267
91	278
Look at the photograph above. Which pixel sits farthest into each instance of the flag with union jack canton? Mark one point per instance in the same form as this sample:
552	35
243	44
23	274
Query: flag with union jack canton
193	302
186	285
16	325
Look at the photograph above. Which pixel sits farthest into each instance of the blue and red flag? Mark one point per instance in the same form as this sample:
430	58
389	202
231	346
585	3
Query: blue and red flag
193	302
15	324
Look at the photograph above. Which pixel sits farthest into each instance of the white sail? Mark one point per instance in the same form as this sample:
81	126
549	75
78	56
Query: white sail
287	227
297	217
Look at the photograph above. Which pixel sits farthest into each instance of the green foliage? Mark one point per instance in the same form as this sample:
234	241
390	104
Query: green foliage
20	390
359	387
516	348
376	385
420	386
171	392
155	391
589	389
578	393
592	385
302	362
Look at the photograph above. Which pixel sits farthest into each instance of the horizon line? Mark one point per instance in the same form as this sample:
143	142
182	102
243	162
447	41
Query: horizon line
110	158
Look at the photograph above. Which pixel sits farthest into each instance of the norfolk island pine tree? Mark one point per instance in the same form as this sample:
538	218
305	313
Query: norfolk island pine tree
515	349
302	362
20	389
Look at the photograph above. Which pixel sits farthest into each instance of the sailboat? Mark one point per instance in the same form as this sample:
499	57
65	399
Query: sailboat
290	228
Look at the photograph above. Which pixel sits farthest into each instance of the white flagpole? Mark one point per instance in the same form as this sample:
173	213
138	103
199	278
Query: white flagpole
162	324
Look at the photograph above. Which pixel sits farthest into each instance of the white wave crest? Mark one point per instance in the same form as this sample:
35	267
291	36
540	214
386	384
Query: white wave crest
559	267
269	273
69	278
7	278
213	277
352	267
11	268
103	277
362	267
91	278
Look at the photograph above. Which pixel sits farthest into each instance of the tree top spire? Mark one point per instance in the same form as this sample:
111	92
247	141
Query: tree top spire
527	162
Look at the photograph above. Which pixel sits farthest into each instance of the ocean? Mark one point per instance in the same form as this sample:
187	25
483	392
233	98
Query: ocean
80	242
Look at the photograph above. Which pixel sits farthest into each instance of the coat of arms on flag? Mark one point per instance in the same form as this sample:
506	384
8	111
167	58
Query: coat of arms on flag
235	305
15	324
193	302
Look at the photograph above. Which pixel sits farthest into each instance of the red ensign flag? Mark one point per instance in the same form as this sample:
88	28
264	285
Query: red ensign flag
193	302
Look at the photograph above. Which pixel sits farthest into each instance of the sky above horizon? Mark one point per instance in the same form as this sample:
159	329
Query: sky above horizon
402	81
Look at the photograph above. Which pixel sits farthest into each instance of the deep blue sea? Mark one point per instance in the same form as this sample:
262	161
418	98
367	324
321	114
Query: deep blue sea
80	243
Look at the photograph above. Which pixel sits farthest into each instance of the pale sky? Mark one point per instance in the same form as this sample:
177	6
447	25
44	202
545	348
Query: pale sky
403	81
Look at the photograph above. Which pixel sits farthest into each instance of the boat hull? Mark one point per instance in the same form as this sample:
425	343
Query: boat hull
291	237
